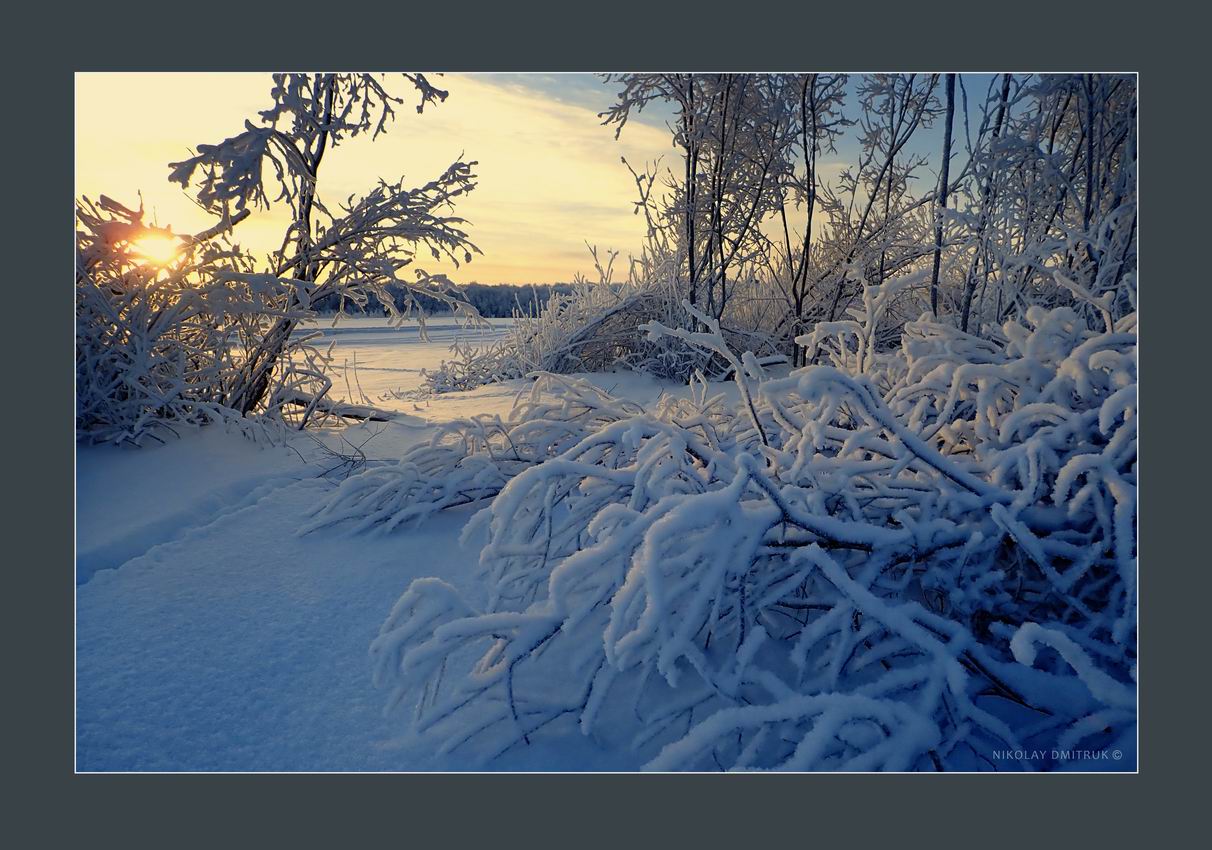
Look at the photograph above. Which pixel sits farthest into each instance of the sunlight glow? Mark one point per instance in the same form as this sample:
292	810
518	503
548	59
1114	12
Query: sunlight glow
157	248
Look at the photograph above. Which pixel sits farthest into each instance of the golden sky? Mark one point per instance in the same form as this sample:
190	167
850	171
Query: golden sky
550	178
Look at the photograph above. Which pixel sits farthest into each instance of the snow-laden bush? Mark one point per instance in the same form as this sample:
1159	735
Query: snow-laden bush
160	346
473	459
596	327
591	327
537	340
889	560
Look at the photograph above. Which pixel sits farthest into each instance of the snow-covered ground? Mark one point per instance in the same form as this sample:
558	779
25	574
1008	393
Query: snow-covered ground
373	357
210	636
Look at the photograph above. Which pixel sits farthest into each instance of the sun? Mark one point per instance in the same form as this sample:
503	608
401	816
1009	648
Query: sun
158	248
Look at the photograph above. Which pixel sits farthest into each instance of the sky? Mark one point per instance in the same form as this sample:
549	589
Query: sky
550	175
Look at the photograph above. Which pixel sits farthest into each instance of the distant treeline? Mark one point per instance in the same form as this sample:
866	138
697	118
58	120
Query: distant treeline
492	300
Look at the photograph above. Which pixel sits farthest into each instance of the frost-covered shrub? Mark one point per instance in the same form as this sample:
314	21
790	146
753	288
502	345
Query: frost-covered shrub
537	341
591	327
889	560
473	459
597	327
159	347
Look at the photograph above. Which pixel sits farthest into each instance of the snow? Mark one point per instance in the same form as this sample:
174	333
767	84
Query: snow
245	607
383	358
211	636
120	517
371	358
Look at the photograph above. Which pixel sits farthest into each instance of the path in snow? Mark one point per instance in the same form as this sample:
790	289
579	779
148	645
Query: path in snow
211	637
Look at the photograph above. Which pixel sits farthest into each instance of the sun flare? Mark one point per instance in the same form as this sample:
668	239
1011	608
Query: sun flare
157	248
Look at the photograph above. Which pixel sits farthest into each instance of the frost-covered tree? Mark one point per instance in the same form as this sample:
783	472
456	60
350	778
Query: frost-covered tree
735	134
943	189
369	242
817	123
1058	199
373	244
873	218
1005	212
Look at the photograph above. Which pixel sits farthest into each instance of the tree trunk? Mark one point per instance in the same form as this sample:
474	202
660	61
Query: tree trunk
970	288
942	202
253	388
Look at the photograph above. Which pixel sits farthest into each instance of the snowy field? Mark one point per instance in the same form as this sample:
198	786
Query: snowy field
211	636
379	358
